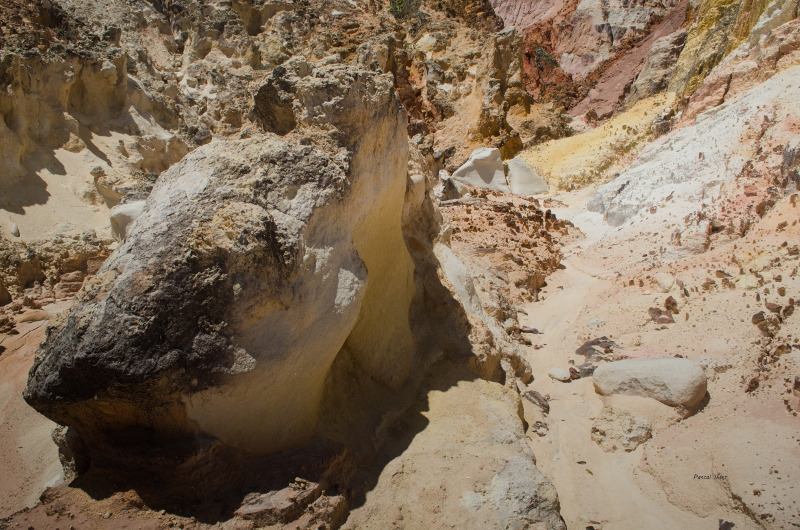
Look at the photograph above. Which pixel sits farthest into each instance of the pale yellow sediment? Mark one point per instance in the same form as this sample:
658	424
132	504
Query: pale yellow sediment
578	160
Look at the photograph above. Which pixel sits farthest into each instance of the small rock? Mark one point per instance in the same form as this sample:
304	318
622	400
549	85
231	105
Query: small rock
526	329
664	281
560	374
537	399
15	230
758	318
775	308
671	304
595	323
747	281
484	169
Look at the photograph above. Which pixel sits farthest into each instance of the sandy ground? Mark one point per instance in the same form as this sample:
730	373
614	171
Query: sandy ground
748	442
56	199
28	456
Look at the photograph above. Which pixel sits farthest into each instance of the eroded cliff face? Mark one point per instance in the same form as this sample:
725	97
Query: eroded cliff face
597	60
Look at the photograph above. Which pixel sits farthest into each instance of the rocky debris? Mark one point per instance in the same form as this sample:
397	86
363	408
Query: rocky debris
523	179
537	399
484	169
595	352
673	381
713	367
7	324
616	428
290	504
560	374
511	244
671	305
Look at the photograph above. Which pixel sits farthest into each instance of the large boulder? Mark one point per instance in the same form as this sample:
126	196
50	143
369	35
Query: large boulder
484	169
254	263
673	381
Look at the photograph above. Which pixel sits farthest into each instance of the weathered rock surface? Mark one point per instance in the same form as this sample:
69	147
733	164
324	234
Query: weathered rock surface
657	70
123	215
463	441
672	381
560	374
484	169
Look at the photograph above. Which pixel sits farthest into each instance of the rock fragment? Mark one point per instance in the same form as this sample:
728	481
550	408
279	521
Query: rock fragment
560	374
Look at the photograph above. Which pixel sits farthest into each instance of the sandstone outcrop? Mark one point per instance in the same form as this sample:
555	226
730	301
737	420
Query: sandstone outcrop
475	459
671	381
275	293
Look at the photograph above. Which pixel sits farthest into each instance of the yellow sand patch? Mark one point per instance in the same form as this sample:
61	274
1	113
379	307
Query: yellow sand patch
575	161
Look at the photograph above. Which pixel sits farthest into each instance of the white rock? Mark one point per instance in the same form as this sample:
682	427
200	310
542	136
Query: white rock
664	281
123	215
14	230
484	169
560	374
747	282
672	381
523	179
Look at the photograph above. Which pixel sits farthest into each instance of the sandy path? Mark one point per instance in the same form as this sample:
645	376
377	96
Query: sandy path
28	456
652	486
603	489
